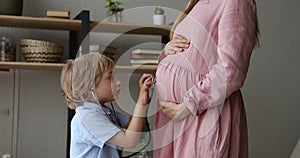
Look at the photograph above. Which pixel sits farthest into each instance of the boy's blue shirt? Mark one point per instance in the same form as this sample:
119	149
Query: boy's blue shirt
90	131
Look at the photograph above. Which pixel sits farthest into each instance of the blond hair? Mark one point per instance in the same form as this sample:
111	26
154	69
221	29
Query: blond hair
82	74
191	5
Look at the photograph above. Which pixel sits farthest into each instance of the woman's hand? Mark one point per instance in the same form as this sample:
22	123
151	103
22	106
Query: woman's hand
145	85
174	111
177	44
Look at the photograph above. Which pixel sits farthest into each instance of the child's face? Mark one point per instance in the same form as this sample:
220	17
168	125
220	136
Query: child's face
108	88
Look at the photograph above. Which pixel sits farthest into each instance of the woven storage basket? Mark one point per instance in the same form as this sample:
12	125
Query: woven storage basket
43	54
36	43
41	51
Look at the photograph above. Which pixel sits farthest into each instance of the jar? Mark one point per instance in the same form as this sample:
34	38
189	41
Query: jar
7	49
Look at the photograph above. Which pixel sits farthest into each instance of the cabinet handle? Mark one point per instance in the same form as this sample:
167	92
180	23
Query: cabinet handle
5	112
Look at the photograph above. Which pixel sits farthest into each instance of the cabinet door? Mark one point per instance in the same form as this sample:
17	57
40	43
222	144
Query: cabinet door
42	125
6	110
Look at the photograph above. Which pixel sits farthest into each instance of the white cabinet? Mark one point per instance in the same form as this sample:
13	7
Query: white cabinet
42	115
6	110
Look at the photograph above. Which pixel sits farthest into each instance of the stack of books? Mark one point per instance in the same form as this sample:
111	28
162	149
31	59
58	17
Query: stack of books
144	57
101	49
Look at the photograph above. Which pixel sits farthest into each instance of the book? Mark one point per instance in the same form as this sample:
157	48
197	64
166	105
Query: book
134	62
101	48
146	51
58	13
111	56
144	56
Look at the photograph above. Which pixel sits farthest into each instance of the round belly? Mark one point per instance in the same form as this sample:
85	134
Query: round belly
174	80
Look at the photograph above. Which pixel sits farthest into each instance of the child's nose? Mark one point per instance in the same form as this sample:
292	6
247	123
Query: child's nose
118	82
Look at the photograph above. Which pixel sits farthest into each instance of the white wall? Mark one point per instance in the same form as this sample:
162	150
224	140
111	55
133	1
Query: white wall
272	88
270	91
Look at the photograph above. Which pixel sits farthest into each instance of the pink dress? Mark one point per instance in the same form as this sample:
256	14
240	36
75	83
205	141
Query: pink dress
207	78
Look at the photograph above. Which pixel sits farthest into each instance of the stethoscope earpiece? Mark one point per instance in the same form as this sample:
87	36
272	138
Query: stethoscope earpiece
93	94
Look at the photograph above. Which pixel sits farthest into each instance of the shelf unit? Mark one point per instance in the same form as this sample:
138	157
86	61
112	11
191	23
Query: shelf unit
79	28
83	25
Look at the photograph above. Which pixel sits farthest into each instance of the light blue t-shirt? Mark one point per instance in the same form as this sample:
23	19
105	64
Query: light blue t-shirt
90	131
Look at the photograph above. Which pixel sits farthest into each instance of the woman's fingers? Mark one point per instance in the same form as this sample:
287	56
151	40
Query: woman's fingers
181	39
175	111
177	44
168	108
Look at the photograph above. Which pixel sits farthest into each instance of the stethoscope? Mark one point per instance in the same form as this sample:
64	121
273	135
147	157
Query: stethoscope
118	123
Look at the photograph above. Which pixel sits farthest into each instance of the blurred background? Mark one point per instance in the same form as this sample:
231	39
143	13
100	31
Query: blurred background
37	126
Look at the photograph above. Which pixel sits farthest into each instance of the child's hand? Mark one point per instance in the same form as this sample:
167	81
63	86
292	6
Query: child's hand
145	85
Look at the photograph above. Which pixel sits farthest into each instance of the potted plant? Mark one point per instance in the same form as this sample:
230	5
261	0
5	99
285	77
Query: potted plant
159	17
114	12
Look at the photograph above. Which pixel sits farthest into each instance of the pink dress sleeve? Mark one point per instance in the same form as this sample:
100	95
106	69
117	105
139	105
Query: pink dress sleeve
236	38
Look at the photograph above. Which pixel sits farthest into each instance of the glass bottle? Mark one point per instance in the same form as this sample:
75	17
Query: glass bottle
7	49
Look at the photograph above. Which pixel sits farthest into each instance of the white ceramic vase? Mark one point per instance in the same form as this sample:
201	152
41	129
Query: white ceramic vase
159	19
115	15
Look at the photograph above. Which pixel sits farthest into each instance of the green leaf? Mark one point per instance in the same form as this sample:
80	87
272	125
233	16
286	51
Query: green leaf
113	5
159	11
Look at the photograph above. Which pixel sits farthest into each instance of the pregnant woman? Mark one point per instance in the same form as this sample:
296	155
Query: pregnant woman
201	70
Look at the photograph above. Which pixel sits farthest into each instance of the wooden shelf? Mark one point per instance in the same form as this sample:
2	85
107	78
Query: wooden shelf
59	66
142	29
39	23
75	25
31	66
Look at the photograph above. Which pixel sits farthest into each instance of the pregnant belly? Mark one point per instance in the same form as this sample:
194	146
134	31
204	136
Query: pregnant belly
174	80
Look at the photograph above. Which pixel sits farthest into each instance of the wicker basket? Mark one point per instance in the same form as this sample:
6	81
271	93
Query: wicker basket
43	54
36	43
41	51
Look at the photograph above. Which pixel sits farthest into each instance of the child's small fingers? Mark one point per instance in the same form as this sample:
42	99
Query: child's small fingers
143	78
146	76
148	82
